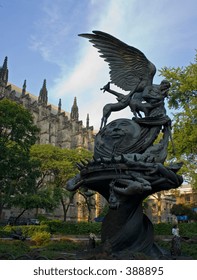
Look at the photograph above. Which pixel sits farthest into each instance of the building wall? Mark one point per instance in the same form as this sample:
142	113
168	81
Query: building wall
58	128
186	195
159	206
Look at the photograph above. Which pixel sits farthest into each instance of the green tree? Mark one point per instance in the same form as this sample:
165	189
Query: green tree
57	167
182	98
17	133
182	210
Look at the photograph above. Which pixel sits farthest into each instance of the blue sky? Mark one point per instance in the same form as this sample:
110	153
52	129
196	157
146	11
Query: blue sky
40	39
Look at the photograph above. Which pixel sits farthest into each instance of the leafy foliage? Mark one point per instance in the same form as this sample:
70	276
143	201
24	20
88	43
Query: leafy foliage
18	173
69	228
15	248
186	229
16	125
183	98
41	238
181	209
27	231
57	167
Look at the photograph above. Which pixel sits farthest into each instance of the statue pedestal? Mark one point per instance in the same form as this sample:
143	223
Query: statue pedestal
128	228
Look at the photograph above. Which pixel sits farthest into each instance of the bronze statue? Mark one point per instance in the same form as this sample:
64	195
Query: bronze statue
131	71
128	165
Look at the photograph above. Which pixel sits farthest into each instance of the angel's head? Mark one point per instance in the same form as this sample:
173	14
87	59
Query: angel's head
164	85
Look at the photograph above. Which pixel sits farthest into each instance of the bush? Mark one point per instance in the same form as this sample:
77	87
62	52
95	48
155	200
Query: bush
27	231
41	238
84	228
4	233
188	229
13	247
185	229
70	228
162	229
54	226
42	218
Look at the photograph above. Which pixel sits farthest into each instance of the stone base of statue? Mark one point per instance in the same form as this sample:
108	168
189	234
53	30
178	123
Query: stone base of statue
127	228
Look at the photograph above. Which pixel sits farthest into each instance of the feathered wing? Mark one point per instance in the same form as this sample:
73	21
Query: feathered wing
129	67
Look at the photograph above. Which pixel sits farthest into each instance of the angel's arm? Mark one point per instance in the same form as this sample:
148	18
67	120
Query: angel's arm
107	88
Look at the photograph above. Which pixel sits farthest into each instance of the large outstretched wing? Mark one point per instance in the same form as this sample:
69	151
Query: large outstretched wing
129	67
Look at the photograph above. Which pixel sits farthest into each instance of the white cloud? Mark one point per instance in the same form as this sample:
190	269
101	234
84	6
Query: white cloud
157	28
51	32
91	72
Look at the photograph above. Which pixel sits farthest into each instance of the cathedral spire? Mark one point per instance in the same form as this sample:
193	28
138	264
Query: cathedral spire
87	121
43	96
59	106
4	72
74	111
24	89
5	63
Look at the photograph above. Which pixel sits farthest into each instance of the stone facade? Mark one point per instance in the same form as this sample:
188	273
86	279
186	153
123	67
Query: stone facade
159	206
187	195
57	127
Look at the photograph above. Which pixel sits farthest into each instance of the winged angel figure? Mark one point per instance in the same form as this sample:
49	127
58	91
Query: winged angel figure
131	71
